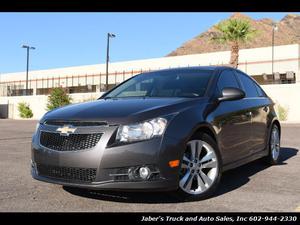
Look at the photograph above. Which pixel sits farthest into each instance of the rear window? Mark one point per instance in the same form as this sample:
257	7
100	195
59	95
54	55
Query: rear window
249	85
260	92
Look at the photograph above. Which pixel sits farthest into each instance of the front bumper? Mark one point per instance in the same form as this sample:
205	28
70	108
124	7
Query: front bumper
109	160
158	185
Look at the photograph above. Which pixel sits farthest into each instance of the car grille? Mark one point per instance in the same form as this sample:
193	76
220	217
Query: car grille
75	123
67	173
72	142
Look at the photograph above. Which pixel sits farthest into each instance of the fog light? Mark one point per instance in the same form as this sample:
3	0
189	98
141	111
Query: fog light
144	172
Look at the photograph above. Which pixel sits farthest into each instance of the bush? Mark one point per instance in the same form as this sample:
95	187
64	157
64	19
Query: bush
281	112
24	110
57	98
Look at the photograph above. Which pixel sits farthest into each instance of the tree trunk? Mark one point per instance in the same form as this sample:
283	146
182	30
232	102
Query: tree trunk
234	58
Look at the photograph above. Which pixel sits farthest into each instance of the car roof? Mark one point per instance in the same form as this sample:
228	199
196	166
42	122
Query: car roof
191	68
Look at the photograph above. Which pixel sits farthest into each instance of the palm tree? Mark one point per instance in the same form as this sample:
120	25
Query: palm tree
234	31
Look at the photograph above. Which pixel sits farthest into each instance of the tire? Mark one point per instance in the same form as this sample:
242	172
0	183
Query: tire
274	146
202	175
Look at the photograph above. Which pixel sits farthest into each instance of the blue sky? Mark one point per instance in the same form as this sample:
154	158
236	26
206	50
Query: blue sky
73	39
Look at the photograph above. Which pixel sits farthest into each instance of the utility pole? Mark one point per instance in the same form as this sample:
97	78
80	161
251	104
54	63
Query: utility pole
27	64
274	28
109	35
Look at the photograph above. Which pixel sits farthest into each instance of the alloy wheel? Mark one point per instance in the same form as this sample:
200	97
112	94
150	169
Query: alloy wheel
199	167
275	143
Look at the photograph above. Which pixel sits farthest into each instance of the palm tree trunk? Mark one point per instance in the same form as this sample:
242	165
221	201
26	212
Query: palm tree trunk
234	57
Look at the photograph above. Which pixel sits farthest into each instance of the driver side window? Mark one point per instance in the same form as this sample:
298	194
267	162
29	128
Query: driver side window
227	79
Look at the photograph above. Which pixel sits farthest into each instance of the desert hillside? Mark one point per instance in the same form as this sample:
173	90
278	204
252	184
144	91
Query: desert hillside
288	33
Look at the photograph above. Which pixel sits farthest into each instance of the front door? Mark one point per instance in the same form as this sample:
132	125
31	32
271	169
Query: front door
259	104
235	131
232	122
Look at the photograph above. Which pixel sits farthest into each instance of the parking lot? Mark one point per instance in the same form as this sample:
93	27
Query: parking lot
250	188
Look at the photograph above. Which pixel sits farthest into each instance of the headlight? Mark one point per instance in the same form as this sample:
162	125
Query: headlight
142	131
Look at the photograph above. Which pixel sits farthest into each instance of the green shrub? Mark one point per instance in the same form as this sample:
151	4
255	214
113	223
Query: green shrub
24	110
57	98
282	112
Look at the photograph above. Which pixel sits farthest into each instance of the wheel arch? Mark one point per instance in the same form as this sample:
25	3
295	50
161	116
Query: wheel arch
209	129
276	122
209	138
205	128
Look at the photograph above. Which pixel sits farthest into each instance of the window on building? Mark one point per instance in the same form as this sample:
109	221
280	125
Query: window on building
276	78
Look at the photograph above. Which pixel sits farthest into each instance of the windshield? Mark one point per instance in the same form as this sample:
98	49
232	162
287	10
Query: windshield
164	84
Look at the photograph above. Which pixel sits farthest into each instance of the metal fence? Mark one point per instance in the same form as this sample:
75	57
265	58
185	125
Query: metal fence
73	84
97	82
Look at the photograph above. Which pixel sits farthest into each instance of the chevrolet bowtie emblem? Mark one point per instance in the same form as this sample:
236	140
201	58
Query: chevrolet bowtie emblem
66	130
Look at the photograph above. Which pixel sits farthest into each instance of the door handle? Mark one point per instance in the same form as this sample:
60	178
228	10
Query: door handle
248	114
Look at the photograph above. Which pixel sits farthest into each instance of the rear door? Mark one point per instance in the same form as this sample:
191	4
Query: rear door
233	121
259	103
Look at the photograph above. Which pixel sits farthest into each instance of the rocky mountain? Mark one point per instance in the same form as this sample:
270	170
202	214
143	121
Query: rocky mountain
288	33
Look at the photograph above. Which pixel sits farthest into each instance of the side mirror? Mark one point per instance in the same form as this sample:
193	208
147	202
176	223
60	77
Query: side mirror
229	94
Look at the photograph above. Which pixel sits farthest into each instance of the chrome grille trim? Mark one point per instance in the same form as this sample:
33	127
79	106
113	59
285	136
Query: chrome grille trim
75	123
72	142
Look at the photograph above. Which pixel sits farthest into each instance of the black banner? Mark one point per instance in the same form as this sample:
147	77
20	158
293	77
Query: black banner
146	6
154	218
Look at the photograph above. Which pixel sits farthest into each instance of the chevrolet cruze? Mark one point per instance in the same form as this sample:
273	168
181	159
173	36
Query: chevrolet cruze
173	129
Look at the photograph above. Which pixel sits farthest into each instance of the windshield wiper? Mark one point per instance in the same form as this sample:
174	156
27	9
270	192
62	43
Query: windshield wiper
108	97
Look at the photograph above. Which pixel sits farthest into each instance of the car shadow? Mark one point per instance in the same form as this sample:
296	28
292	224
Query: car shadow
230	181
236	178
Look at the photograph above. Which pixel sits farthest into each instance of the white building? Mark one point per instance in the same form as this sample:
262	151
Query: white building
90	80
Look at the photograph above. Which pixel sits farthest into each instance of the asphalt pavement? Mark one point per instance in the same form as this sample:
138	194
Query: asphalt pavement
251	188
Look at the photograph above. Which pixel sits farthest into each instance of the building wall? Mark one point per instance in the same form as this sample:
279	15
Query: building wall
287	95
38	103
254	61
258	60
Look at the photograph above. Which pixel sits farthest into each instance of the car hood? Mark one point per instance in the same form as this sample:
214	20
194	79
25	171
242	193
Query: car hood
121	111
